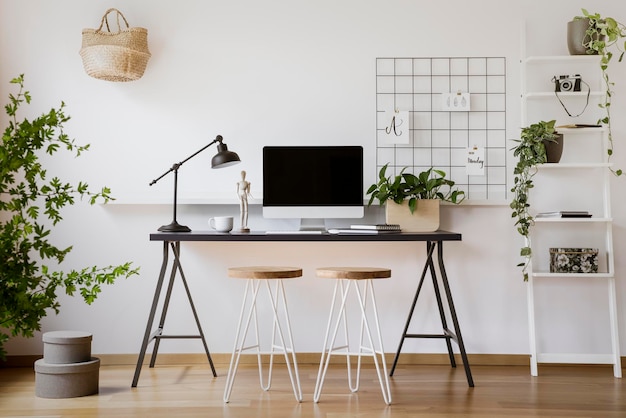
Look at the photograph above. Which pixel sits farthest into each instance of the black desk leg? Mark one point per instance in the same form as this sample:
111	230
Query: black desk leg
408	319
455	321
158	334
166	304
176	250
448	335
155	301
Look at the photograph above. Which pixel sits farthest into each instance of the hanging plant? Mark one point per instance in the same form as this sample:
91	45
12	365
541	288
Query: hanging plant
530	152
602	36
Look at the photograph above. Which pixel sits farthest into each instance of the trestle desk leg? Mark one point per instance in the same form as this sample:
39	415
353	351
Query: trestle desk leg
455	321
442	315
448	335
176	250
155	302
408	319
158	334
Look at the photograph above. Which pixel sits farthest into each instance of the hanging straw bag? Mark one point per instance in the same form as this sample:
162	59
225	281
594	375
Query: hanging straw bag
115	56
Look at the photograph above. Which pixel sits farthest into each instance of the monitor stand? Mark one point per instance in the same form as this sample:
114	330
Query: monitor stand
312	224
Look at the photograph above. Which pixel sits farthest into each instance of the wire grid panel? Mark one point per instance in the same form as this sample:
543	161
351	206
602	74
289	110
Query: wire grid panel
438	137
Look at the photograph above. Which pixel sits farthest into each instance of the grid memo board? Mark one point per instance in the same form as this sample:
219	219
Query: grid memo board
441	138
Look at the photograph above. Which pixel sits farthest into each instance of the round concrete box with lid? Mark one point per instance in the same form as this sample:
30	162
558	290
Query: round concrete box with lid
66	380
65	347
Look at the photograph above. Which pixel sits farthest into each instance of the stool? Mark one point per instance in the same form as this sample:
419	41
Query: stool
347	278
256	276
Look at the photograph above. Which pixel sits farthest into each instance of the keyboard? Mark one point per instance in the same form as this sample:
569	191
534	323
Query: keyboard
292	232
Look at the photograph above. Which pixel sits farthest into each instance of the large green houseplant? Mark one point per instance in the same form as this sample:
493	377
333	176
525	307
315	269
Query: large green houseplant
429	184
603	36
530	152
30	205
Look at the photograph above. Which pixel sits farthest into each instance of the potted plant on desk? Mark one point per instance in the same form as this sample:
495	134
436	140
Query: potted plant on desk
530	151
412	201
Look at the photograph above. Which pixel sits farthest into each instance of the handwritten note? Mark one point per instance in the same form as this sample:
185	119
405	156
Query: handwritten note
475	165
396	127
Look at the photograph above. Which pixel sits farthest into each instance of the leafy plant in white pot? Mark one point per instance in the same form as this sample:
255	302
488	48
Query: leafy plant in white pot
412	201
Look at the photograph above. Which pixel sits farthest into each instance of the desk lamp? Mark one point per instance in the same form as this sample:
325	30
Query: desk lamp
223	158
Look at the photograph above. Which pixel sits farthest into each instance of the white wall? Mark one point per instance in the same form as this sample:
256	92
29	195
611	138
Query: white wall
270	73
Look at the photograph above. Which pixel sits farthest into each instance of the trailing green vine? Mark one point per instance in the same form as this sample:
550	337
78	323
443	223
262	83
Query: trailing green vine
602	34
530	152
30	277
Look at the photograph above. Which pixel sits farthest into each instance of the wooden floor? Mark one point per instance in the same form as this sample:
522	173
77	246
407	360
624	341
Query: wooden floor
418	391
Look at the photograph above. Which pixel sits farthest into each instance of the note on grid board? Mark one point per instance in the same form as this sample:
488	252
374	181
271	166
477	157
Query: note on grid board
475	165
397	127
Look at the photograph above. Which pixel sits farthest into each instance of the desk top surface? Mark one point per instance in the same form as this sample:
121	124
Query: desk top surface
326	237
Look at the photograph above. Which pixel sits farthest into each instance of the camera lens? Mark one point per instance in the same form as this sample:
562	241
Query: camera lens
566	85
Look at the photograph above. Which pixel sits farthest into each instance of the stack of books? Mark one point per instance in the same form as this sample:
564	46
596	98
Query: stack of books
367	229
565	214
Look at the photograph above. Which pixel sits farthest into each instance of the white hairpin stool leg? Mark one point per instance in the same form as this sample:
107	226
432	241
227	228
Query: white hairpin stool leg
241	334
280	328
352	277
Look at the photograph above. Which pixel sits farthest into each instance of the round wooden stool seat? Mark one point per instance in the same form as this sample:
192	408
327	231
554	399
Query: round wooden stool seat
353	273
264	272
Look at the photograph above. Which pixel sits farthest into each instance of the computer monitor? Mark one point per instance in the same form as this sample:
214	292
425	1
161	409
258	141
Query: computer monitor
313	183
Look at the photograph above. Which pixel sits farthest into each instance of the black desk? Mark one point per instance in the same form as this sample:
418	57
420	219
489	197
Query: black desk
434	241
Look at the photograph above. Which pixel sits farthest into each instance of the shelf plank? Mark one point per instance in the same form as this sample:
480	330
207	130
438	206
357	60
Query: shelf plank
544	275
574	220
543	59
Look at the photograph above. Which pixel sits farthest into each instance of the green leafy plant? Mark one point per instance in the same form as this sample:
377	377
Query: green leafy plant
603	35
530	152
30	204
429	184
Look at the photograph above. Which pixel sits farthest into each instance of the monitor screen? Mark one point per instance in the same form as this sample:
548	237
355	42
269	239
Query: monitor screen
318	182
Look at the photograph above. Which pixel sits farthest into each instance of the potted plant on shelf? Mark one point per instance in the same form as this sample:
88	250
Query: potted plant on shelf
412	201
530	152
599	36
30	205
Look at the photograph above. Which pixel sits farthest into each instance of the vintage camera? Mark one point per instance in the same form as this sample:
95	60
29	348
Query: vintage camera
567	82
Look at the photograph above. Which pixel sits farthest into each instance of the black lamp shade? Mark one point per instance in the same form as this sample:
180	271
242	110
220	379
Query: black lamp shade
224	158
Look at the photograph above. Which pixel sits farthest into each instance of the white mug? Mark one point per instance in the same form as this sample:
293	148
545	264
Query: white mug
221	223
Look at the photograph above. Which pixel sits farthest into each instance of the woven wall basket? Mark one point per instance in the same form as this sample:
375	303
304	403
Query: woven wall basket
115	56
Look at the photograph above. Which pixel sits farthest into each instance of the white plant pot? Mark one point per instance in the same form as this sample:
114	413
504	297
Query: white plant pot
424	219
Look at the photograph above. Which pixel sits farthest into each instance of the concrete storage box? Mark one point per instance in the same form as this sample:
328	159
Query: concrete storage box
64	347
66	380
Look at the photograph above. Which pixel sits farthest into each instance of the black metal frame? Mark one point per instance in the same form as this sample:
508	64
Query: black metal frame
158	334
447	334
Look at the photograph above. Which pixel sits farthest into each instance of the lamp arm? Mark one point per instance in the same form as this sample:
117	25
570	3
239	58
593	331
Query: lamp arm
176	166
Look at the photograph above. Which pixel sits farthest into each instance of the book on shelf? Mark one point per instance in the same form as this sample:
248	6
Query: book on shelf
565	214
377	227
